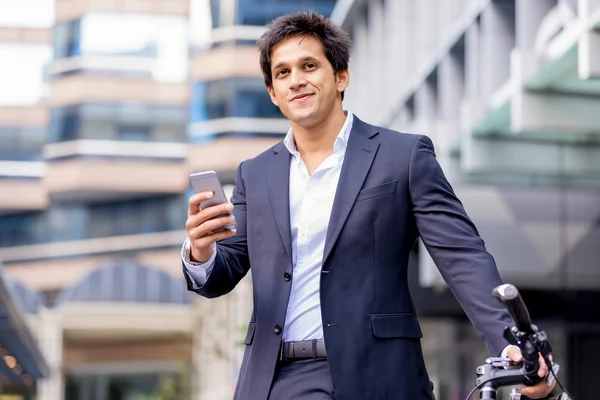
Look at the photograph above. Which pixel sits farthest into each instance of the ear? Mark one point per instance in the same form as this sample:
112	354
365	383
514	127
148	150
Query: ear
272	95
342	79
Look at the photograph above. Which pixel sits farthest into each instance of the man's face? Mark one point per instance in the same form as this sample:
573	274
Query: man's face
305	87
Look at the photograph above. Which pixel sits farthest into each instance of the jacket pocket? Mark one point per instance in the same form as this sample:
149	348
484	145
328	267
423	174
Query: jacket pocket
377	191
388	326
250	334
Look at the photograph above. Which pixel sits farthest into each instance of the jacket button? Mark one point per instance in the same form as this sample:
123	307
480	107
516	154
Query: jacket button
287	276
277	329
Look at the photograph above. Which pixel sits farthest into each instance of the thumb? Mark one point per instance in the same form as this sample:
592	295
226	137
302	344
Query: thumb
514	353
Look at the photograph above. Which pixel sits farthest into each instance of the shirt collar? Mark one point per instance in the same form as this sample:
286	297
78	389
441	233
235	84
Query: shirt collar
340	141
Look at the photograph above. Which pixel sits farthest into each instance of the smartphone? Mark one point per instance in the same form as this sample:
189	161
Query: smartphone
208	181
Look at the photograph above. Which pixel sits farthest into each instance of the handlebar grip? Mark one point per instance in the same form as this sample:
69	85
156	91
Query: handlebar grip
509	296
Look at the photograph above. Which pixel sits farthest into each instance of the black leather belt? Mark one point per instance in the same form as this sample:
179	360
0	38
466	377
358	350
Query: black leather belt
302	350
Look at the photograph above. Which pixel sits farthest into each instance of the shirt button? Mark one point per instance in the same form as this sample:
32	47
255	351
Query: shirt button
277	329
287	276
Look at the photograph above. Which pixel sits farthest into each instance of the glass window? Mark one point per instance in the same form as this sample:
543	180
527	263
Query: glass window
156	46
215	13
118	121
65	39
261	12
21	143
200	25
251	12
23	79
64	124
235	97
233	42
67	222
136	216
132	386
222	12
21	229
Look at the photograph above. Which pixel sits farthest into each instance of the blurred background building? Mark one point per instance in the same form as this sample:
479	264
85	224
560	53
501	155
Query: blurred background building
105	109
509	91
106	106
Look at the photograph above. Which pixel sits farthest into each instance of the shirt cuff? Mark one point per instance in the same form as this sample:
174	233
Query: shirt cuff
197	272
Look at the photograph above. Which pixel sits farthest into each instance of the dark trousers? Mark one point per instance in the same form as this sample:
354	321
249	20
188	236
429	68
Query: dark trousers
302	380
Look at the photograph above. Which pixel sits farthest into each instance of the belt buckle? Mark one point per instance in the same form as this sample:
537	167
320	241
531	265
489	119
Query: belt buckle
282	343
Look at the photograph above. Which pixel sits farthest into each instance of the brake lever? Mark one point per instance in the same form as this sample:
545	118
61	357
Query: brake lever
504	362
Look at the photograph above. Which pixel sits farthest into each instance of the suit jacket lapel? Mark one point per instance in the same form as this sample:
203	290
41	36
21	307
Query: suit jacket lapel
278	184
360	152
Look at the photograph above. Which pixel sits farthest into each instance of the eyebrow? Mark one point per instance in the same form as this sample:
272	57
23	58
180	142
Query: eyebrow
303	59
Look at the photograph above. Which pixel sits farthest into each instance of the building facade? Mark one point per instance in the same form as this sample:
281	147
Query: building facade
508	91
26	42
108	110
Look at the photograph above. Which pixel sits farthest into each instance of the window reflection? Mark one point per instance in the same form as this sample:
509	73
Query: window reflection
21	143
236	97
86	221
200	24
153	44
261	12
118	121
65	38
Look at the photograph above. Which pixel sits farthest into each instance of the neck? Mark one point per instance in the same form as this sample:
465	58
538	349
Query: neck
320	137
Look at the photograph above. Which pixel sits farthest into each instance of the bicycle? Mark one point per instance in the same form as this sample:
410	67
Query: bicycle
499	372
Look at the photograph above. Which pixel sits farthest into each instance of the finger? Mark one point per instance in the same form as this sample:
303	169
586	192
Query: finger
543	369
195	200
210	213
213	225
227	233
215	237
514	353
208	227
538	391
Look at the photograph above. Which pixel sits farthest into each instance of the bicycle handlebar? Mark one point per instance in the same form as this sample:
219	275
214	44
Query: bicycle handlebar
532	342
509	296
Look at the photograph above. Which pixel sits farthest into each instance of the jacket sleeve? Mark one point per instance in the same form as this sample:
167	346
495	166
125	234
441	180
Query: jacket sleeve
455	245
231	262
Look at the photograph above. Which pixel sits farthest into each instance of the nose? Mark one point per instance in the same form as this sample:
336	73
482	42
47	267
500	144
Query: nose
297	79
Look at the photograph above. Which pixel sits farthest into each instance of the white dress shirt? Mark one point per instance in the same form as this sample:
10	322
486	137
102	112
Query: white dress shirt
311	201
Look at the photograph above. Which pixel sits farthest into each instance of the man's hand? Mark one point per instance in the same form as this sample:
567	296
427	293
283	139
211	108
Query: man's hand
540	390
200	226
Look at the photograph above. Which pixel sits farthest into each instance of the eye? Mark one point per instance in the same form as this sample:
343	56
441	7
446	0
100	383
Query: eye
311	65
280	72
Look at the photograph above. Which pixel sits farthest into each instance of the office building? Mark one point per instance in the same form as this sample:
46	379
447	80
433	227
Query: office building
25	47
129	98
508	91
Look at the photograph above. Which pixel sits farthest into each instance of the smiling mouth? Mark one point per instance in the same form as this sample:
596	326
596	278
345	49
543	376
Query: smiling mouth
302	97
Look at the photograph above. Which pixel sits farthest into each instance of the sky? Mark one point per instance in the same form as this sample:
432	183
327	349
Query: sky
21	66
27	13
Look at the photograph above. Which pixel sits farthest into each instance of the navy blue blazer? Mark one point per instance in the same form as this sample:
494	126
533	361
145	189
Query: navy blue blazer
391	190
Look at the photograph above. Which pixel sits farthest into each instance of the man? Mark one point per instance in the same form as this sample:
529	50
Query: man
326	220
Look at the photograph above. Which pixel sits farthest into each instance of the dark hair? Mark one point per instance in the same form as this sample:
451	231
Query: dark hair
336	42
